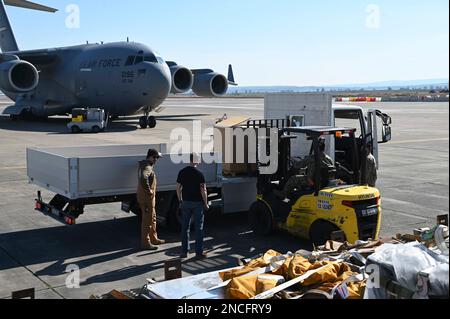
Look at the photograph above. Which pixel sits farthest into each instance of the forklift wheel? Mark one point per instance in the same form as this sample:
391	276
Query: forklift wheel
260	219
321	232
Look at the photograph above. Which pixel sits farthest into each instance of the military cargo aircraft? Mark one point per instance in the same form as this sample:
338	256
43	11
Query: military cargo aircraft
123	78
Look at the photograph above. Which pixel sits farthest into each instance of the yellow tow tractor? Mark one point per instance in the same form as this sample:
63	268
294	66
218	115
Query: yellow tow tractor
340	200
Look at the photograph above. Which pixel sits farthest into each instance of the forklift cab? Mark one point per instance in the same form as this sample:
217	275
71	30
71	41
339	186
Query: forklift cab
323	176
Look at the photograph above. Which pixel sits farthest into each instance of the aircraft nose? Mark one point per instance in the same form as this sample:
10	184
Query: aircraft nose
160	81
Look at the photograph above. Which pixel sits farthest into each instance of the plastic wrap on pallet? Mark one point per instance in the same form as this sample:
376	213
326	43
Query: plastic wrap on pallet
405	263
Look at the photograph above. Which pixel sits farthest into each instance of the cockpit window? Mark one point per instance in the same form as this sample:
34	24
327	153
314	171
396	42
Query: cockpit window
130	60
150	58
139	59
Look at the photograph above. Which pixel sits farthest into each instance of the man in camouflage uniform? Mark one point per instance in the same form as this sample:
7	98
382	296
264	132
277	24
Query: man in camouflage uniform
371	167
306	181
146	196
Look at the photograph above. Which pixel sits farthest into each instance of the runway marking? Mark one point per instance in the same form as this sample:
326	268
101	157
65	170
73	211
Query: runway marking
12	168
220	107
404	213
408	215
419	141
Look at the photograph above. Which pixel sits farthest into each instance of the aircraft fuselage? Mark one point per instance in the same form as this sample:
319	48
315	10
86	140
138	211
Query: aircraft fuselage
122	78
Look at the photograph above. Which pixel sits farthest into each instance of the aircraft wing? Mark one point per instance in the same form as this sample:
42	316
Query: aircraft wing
230	77
29	5
39	58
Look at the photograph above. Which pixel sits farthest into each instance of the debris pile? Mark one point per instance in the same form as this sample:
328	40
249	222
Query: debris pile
406	267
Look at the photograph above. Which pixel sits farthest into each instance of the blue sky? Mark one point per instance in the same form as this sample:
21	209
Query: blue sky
269	42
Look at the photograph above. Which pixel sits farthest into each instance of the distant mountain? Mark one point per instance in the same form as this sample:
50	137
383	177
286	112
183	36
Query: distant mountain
394	85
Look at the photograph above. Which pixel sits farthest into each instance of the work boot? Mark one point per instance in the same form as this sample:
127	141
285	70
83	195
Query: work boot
154	235
201	256
158	242
149	247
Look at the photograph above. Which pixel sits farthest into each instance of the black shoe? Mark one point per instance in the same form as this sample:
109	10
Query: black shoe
183	256
201	256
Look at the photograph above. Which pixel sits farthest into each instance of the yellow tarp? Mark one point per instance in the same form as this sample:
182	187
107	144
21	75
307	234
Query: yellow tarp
251	266
245	287
331	276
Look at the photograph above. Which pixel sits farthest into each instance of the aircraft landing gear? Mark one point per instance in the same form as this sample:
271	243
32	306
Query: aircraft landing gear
147	122
151	122
143	122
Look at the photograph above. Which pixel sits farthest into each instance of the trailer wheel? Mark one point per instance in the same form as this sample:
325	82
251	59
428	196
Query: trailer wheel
260	219
174	215
320	232
135	209
76	129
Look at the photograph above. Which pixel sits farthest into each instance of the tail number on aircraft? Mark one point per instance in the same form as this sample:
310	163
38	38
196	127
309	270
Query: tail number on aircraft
128	77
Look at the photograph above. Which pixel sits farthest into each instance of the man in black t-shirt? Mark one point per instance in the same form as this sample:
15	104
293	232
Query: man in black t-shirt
193	198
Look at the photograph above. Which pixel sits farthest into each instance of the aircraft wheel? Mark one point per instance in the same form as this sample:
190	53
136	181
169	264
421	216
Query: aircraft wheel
75	129
260	219
151	122
96	129
143	122
321	231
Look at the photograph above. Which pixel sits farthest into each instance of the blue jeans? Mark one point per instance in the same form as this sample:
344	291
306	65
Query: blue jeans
188	210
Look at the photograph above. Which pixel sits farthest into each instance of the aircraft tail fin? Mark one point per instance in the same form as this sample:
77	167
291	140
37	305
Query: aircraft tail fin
231	75
8	42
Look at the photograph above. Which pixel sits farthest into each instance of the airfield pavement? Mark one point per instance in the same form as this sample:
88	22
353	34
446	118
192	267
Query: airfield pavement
36	250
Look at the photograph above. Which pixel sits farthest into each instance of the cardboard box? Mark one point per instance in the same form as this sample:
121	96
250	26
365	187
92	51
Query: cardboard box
238	156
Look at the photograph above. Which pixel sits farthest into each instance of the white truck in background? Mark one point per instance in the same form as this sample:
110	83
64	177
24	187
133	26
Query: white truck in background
317	109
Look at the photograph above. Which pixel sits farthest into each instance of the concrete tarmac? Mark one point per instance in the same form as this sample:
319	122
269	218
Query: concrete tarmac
36	251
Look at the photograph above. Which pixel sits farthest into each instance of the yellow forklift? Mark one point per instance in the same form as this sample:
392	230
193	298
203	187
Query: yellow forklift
337	203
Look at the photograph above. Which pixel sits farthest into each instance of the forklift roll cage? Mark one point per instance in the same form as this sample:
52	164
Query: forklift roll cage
313	134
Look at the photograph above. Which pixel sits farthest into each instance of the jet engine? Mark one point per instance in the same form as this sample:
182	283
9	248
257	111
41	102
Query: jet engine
210	84
18	76
182	79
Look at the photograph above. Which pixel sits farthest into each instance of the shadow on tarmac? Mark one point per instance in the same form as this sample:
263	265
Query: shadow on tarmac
58	125
108	244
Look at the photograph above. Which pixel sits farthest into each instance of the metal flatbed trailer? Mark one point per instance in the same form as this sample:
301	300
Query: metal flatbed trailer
81	176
